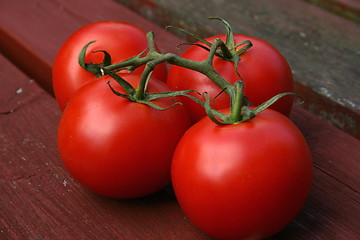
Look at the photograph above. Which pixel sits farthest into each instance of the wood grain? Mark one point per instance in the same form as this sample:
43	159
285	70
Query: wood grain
346	8
40	200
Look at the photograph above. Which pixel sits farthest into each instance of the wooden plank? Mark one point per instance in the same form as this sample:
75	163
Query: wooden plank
40	200
322	48
333	207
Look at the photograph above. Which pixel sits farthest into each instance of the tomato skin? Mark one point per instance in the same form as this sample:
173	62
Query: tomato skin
243	181
116	147
264	70
122	40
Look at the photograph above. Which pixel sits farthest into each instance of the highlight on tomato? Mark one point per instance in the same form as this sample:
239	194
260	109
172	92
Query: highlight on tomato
262	68
120	40
115	142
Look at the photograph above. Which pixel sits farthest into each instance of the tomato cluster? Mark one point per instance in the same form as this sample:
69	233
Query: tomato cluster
239	169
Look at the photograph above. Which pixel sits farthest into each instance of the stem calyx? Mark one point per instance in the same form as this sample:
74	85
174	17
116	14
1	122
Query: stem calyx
228	50
239	107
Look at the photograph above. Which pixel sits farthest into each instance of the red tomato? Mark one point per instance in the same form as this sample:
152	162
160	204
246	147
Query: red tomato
242	181
264	70
116	147
121	40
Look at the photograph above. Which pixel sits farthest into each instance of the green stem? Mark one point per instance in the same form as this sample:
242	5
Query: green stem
153	58
237	102
225	52
146	74
248	44
141	90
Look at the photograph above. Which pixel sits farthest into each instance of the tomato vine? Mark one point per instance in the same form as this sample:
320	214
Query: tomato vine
252	162
151	57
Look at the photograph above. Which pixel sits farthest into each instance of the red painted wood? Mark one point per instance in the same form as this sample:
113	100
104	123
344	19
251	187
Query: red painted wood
38	198
333	207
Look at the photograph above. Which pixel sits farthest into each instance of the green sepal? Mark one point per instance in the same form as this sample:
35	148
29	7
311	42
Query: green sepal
248	114
227	50
214	114
107	57
153	96
93	67
271	101
82	55
192	34
248	43
118	93
194	44
157	107
230	42
130	90
239	109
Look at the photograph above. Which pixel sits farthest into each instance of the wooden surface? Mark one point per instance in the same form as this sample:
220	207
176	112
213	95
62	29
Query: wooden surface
321	47
349	9
40	200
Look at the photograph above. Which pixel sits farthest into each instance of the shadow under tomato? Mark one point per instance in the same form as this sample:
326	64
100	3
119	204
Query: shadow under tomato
158	215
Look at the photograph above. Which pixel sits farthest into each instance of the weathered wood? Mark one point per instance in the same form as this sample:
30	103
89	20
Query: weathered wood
321	47
346	8
38	198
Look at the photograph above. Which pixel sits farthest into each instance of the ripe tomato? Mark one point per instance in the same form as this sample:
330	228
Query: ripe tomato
116	147
264	70
121	40
242	181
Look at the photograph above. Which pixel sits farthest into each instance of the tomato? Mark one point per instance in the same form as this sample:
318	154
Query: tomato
263	69
242	181
116	147
121	40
